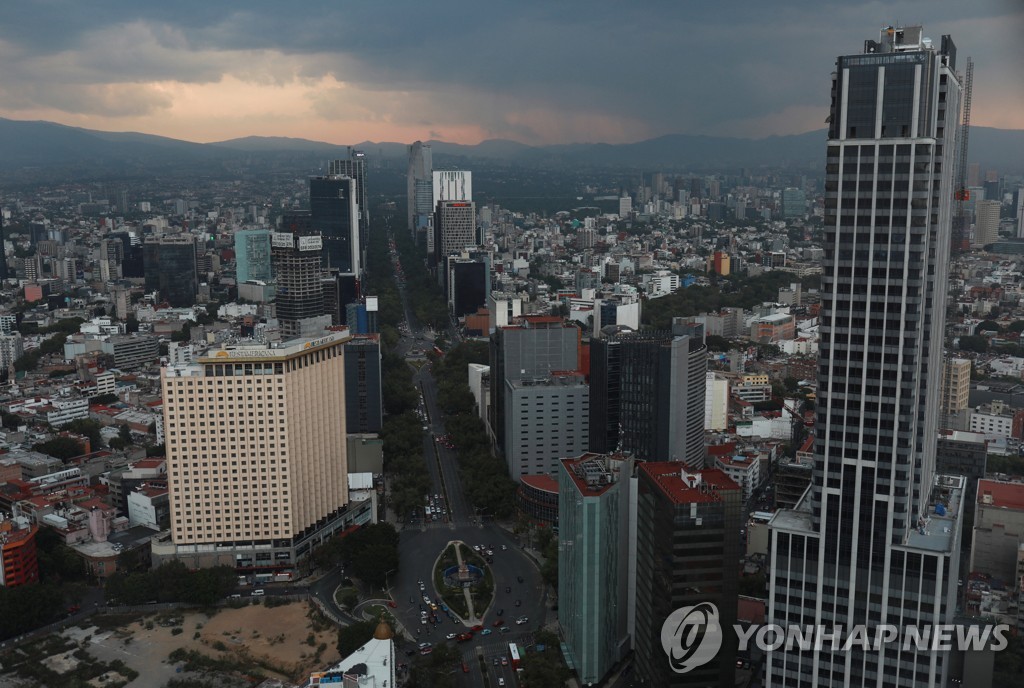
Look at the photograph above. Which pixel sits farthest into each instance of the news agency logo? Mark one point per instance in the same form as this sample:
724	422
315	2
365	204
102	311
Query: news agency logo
691	636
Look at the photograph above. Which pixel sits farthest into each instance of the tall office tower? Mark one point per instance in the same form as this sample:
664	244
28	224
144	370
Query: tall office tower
4	273
454	228
452	185
986	226
687	546
355	167
257	489
794	203
295	253
419	188
875	540
335	215
170	268
535	346
595	563
546	419
1018	211
363	401
468	283
648	393
252	255
448	185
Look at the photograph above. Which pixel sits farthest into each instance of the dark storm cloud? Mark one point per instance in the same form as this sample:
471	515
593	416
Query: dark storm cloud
727	66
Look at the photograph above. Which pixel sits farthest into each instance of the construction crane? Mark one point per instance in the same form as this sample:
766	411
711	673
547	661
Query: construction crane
962	193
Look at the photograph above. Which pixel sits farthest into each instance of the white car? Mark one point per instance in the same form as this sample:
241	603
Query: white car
426	600
450	636
504	548
522	620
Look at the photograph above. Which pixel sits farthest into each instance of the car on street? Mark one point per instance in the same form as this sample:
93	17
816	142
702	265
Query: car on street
522	620
501	612
519	603
423	645
496	662
504	548
450	636
478	627
501	680
504	629
499	622
504	661
519	578
508	588
486	631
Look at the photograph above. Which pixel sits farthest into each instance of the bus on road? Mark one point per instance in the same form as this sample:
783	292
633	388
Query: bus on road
513	655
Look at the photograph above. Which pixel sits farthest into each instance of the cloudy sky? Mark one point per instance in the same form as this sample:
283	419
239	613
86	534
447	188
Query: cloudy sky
536	71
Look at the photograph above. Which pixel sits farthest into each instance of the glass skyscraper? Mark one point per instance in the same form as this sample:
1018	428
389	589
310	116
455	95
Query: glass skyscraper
335	213
875	538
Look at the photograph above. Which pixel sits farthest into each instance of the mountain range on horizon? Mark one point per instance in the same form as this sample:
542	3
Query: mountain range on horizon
36	145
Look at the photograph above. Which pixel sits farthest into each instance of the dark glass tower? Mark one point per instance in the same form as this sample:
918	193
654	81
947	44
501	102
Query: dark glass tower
355	167
647	394
335	215
875	538
170	268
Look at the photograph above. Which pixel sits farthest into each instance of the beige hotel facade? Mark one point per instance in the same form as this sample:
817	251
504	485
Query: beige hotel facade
256	453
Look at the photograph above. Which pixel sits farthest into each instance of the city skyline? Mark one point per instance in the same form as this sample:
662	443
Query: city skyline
538	74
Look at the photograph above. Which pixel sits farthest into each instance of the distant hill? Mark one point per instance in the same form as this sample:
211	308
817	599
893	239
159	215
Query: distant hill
39	145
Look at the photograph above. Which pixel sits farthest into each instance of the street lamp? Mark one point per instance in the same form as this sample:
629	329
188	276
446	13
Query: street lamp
386	573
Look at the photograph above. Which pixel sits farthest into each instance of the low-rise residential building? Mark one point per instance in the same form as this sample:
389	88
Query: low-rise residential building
745	471
998	529
996	418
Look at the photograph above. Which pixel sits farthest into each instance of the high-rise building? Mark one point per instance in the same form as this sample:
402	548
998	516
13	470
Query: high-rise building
1018	210
794	203
252	255
986	226
170	268
648	394
454	228
334	211
295	253
535	346
4	273
467	284
355	167
687	546
594	561
451	185
546	419
419	188
876	539
363	401
956	385
256	452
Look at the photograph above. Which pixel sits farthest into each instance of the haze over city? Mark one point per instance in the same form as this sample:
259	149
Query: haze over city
532	72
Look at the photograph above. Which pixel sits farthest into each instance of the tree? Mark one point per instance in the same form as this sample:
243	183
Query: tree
87	428
125	433
987	326
354	636
974	343
131	325
544	669
62	448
